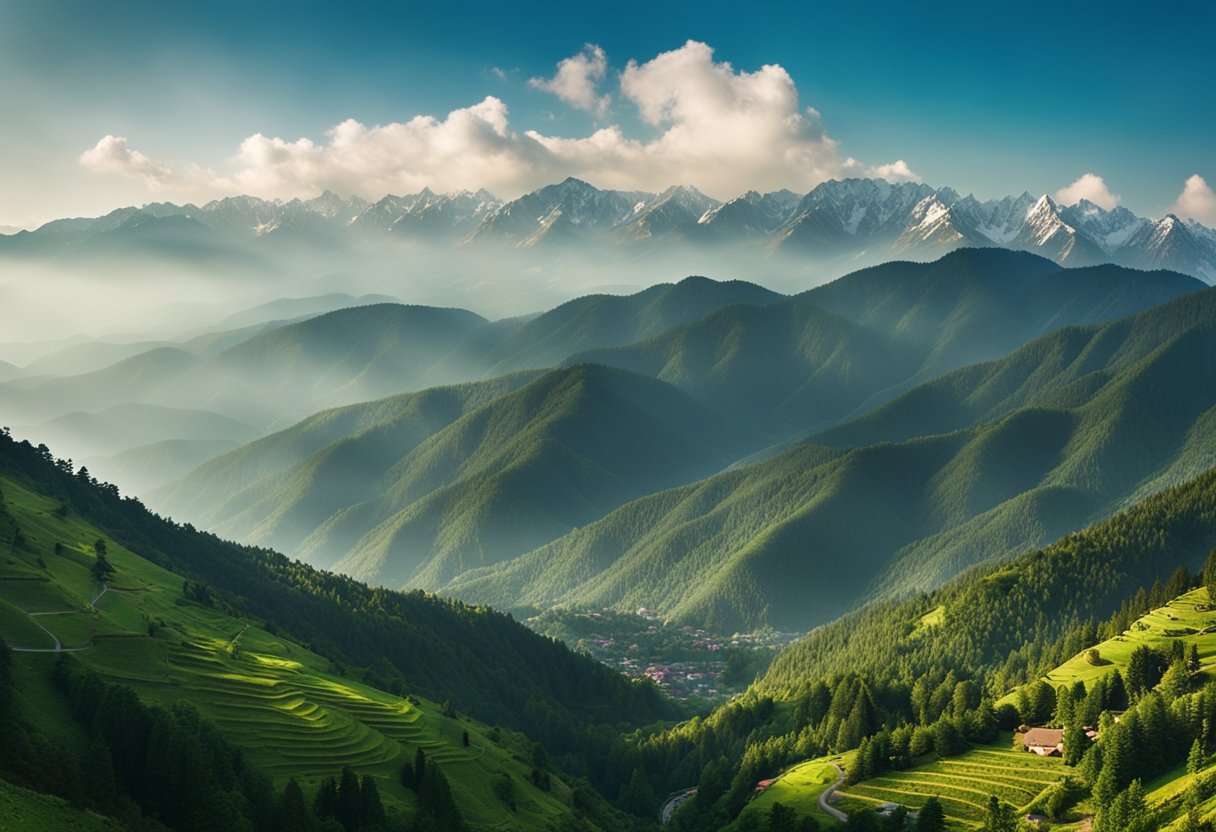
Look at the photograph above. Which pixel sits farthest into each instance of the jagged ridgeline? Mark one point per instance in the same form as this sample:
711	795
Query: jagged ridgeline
304	670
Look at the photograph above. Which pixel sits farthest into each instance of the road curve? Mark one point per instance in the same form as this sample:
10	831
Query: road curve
827	795
673	802
58	648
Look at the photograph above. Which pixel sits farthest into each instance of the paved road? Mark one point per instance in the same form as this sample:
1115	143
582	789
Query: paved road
673	802
58	648
827	795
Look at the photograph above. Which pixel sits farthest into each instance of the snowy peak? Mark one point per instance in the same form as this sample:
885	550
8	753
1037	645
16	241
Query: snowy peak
836	226
676	211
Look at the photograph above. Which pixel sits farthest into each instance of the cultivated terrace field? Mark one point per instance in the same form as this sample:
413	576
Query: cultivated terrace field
290	710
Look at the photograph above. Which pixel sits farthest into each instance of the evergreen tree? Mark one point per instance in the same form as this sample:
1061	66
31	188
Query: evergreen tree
782	818
1176	681
325	805
932	817
1209	576
349	801
1195	759
1000	816
371	809
293	811
637	797
1076	743
1193	663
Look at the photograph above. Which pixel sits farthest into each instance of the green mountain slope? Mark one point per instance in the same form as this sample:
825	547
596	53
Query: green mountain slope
799	539
287	707
259	491
520	471
833	352
441	650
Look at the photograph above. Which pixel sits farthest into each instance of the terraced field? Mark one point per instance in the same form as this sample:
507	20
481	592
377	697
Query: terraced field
963	784
286	706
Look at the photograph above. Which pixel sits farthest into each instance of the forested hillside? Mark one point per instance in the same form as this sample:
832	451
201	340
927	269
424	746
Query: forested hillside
1083	421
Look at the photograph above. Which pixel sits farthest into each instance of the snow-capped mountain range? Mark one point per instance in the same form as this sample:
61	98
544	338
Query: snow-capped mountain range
859	220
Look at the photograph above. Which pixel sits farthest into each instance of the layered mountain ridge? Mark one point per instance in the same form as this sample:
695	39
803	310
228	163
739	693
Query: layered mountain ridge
853	220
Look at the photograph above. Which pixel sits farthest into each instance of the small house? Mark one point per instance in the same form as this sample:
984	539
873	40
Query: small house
1046	742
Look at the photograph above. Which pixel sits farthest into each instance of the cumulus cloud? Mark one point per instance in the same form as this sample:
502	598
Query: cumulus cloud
1197	201
113	154
1089	186
714	127
577	80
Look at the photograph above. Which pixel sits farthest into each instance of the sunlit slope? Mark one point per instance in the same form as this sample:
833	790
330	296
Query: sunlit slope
283	704
802	537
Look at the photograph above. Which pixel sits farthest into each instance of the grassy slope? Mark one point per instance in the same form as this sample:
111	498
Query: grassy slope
963	784
23	809
282	703
1100	417
799	787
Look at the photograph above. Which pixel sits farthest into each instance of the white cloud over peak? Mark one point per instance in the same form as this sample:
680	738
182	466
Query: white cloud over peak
577	80
113	154
719	129
1089	186
1197	201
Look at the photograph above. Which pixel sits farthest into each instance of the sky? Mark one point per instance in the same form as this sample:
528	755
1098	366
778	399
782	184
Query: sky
119	103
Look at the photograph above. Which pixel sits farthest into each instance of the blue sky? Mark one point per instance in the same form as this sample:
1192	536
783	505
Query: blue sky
990	98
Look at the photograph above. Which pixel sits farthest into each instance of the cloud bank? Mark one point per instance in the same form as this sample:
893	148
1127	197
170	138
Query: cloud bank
1089	186
1197	201
714	127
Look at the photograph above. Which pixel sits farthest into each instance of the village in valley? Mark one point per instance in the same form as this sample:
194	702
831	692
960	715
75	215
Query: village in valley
688	663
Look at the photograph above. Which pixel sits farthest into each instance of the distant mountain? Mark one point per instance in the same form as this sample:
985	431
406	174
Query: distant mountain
822	356
8	371
839	225
520	470
145	468
122	427
970	468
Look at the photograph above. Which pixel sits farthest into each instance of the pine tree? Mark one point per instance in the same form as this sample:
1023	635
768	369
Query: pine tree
371	809
293	811
1209	576
349	799
1000	816
1195	759
932	817
326	802
1076	743
1193	663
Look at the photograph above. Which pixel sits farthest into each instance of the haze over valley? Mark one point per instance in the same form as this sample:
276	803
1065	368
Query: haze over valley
557	418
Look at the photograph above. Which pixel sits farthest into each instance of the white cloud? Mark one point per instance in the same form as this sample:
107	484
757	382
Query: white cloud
112	154
716	128
577	80
1197	201
1089	186
897	171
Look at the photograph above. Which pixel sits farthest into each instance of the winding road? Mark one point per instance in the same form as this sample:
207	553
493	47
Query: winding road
58	648
827	795
673	802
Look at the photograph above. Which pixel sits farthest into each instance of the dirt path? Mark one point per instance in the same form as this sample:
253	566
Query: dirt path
827	795
59	648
